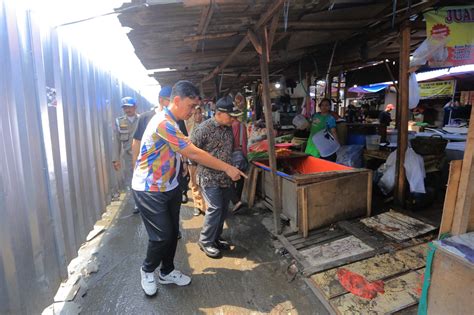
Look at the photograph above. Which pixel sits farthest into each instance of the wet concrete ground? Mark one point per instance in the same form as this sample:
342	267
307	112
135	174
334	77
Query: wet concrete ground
250	279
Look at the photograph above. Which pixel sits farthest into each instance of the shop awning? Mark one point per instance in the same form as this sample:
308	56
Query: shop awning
373	88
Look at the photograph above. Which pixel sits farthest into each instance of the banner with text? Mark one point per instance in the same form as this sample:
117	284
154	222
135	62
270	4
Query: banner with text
436	89
453	28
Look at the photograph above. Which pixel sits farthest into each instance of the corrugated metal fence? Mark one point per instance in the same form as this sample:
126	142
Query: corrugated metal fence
56	116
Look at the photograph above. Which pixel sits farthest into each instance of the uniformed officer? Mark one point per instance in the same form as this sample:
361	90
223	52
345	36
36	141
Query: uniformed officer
125	127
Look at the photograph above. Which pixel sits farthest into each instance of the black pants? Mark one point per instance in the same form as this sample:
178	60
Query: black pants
160	214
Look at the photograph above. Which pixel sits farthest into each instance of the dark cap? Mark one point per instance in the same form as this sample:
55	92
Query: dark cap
226	105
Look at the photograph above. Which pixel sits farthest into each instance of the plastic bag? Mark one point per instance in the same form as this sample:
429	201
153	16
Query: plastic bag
387	182
300	122
351	155
415	171
429	49
325	143
414	91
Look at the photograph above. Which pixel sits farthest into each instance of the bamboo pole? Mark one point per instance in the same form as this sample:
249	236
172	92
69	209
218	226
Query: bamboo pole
402	117
267	111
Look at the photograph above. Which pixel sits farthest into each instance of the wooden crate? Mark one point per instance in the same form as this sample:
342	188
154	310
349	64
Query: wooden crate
451	290
320	199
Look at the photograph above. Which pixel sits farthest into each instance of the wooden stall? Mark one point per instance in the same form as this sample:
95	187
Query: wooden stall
451	290
317	193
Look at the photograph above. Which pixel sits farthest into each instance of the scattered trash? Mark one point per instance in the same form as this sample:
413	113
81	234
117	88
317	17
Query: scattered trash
282	251
66	308
67	290
358	285
91	267
292	271
116	196
96	231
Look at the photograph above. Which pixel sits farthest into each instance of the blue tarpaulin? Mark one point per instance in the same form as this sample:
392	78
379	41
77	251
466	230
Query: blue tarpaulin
373	88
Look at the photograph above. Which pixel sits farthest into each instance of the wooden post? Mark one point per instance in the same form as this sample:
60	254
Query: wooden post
267	111
308	96
338	97
390	73
328	73
329	88
217	85
345	99
463	213
201	89
402	117
450	197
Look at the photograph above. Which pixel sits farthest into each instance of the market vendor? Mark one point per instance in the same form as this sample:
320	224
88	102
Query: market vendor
322	141
385	118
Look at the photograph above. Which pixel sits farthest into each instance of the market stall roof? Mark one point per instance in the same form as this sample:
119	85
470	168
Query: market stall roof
464	76
372	88
201	39
460	72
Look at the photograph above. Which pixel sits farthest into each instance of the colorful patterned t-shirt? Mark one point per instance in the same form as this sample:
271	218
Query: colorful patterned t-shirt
159	161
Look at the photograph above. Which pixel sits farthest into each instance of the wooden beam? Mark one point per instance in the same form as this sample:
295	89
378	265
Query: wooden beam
345	24
273	29
464	204
450	197
255	41
217	87
204	21
390	73
267	110
200	3
272	10
402	117
329	82
265	42
308	96
210	36
338	98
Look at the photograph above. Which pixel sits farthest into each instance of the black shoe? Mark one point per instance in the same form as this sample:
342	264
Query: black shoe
196	212
135	210
210	250
222	244
180	235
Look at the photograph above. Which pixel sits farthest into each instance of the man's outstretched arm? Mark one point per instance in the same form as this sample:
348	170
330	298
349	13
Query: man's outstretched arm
202	157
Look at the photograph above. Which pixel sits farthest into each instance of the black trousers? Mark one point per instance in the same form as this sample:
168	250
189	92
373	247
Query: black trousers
160	214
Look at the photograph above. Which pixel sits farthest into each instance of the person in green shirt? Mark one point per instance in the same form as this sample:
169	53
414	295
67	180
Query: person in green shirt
320	121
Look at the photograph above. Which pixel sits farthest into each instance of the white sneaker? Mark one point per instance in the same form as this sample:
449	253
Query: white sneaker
175	277
148	282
